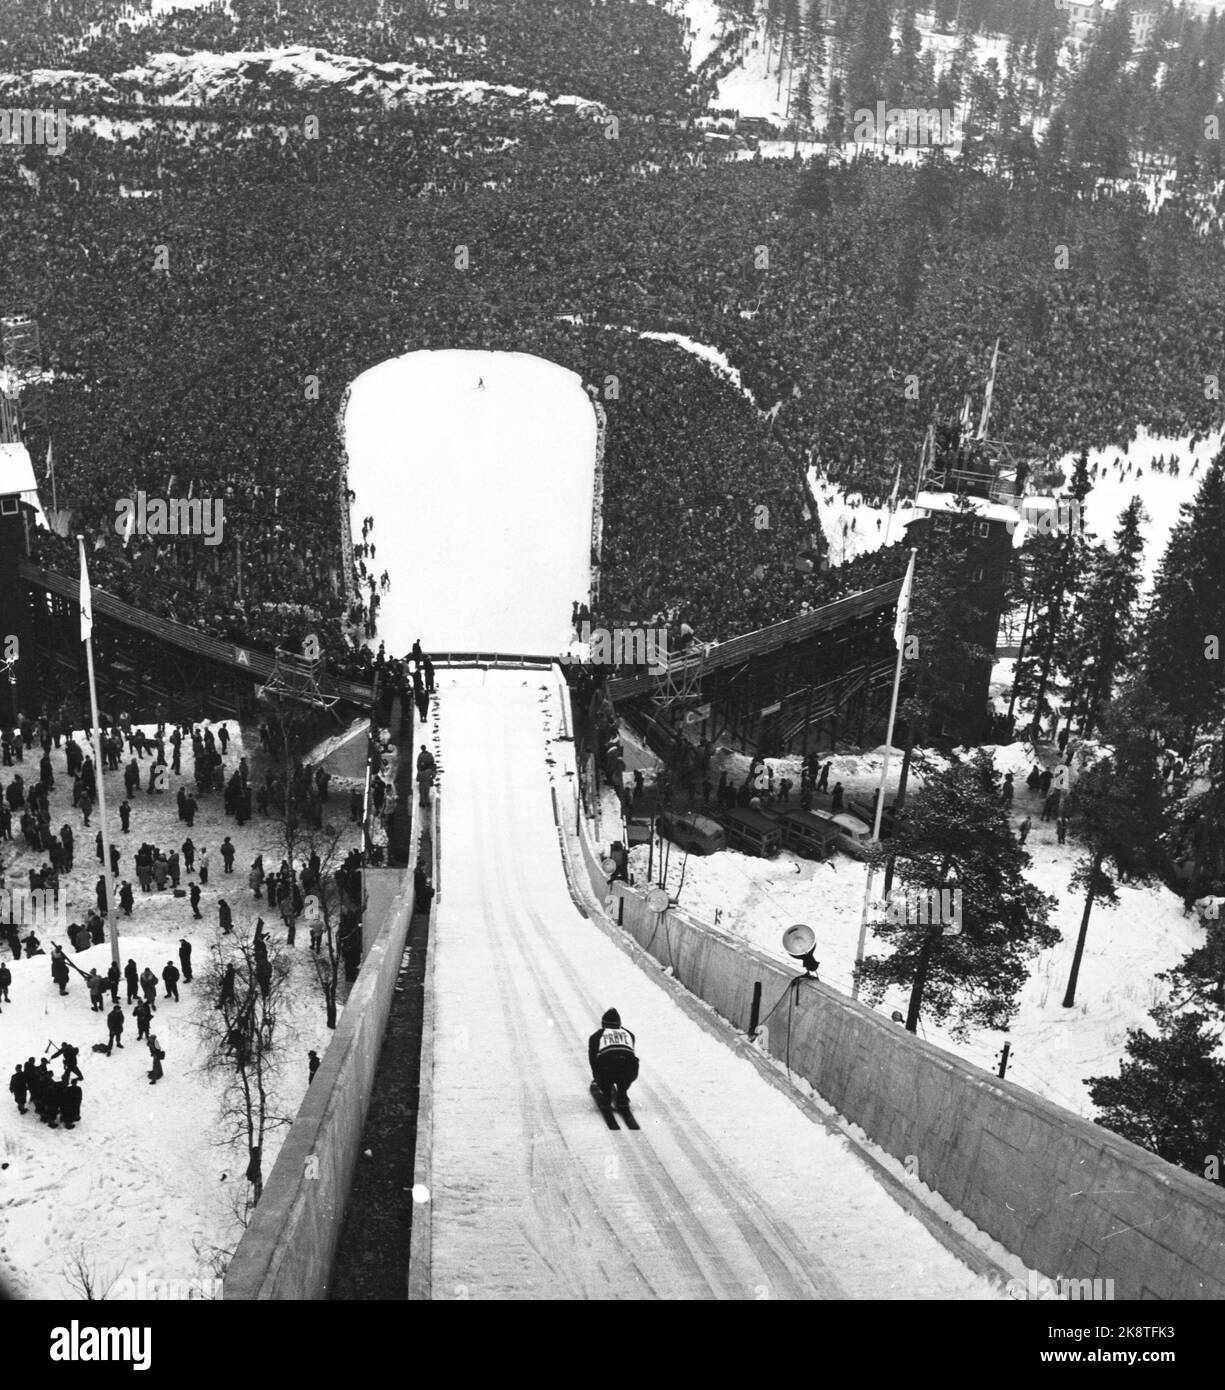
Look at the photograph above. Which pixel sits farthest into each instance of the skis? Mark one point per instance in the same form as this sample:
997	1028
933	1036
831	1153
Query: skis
605	1109
631	1121
610	1112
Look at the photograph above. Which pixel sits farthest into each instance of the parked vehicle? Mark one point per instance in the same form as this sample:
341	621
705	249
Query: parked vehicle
693	833
753	833
808	834
866	812
850	834
854	835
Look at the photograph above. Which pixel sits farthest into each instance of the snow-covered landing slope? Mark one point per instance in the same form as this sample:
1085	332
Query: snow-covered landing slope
478	468
728	1191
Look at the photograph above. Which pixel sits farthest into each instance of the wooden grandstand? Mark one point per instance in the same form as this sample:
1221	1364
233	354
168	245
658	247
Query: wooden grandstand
797	685
143	656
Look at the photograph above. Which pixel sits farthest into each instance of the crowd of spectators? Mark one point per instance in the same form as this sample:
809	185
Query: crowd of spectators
201	338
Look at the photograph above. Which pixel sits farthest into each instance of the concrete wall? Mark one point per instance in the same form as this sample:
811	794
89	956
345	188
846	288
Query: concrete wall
1064	1195
287	1250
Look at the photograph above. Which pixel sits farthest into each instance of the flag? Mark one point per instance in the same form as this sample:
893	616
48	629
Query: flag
965	416
903	605
50	460
926	454
897	483
986	415
87	607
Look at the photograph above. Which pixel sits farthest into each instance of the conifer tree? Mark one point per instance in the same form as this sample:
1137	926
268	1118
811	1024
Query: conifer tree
1119	811
1103	629
957	836
1184	632
1169	1095
1055	564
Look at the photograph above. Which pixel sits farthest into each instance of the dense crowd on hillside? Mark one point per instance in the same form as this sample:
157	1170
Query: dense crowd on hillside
202	337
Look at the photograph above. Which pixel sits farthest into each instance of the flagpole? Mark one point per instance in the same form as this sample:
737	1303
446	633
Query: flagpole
897	483
900	636
989	393
87	632
55	506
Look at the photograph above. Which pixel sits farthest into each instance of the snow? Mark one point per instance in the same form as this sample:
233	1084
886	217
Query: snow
532	1196
143	1186
1053	1049
202	77
714	358
509	466
850	524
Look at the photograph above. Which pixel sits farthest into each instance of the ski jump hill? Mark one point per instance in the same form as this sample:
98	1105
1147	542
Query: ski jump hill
734	1185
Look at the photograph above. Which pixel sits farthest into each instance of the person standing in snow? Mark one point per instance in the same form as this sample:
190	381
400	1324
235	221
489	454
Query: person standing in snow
114	1029
158	1056
69	1054
614	1064
19	1087
70	1104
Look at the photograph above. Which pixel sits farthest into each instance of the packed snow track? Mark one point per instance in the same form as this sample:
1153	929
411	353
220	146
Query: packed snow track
728	1191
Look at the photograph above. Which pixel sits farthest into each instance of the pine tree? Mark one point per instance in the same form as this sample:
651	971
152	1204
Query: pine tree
1169	1096
1184	632
1199	978
1055	563
870	57
835	113
1119	811
801	104
957	833
907	63
1104	625
1196	835
1099	98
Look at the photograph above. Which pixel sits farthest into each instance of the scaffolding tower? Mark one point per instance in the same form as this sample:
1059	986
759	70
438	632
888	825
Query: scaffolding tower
23	378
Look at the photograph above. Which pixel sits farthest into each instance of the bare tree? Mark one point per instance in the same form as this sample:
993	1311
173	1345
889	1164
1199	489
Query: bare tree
327	906
238	1037
82	1277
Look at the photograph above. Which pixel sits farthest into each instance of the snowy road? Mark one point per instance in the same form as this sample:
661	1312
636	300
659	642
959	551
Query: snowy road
728	1191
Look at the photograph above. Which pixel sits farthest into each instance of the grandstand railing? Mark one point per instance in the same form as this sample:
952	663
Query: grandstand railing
768	639
507	659
259	666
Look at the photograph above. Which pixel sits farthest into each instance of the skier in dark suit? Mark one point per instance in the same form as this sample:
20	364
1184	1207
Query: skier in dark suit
614	1065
